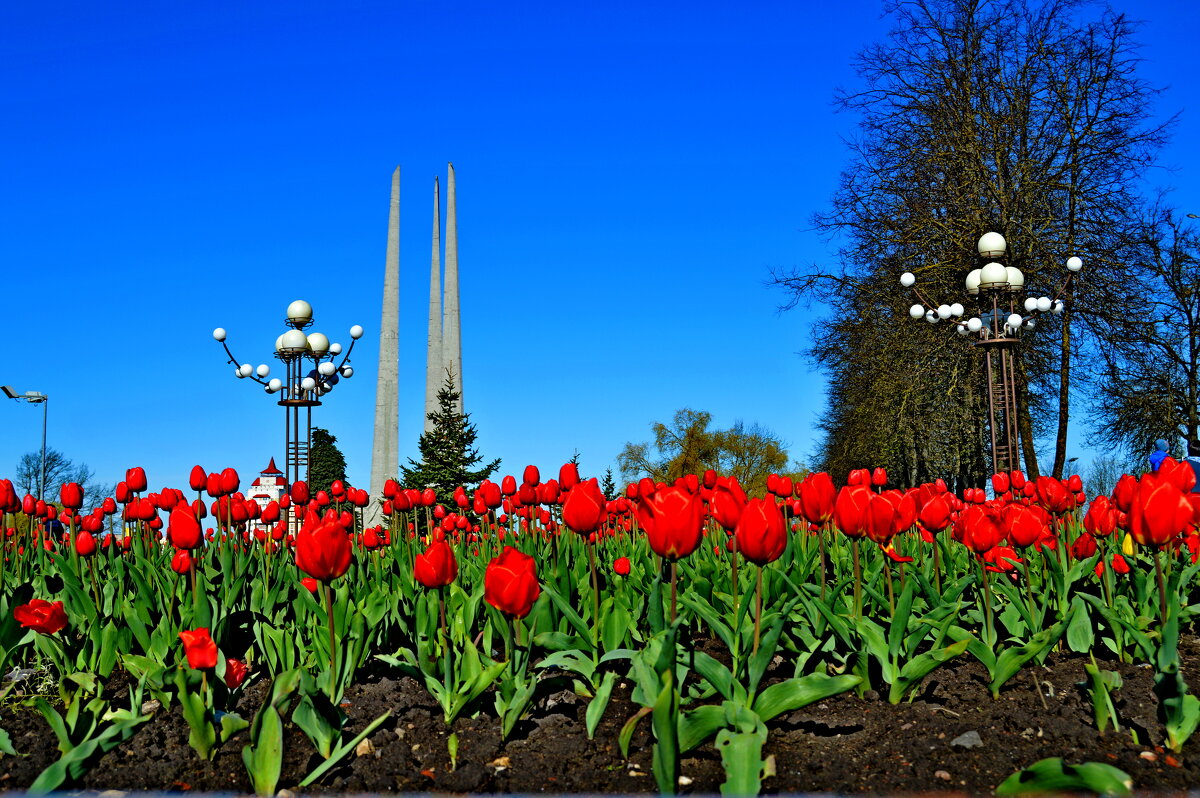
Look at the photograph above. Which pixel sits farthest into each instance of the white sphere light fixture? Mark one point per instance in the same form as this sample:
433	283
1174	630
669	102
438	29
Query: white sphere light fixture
279	344
307	384
347	371
962	329
908	279
275	385
943	311
219	334
356	332
263	370
1074	264
973	281
293	341
974	324
931	317
956	310
1059	306
299	313
326	369
245	370
335	349
992	245
318	343
1014	320
1044	304
1030	304
916	311
1016	280
993	275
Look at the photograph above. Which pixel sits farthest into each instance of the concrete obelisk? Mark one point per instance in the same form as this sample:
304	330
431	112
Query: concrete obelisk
435	372
385	449
451	329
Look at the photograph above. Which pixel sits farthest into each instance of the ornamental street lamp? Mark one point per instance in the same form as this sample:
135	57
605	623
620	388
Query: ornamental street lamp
996	330
301	386
34	398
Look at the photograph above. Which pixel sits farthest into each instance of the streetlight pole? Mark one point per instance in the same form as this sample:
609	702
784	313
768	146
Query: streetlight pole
997	328
300	390
36	398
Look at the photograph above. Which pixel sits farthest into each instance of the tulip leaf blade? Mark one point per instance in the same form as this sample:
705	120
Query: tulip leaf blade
1055	777
921	666
800	691
599	702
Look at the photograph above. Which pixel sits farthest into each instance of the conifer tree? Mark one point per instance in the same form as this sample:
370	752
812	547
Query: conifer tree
448	457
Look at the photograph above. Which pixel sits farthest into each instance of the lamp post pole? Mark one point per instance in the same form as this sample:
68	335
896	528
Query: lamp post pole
997	329
299	390
34	397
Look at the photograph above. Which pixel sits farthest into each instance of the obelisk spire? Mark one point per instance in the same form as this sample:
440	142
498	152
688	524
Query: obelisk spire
451	328
385	448
435	372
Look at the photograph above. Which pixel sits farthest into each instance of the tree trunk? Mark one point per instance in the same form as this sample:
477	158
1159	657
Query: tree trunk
1064	392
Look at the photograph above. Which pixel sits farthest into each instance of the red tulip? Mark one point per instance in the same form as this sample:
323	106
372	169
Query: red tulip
1083	547
71	495
1000	484
135	478
310	584
270	514
235	673
510	583
1119	565
1101	518
437	566
323	550
42	616
879	477
199	648
761	533
568	476
508	485
229	481
935	514
1001	559
817	496
181	563
727	502
428	497
979	528
28	504
122	493
1023	526
1123	493
197	480
673	520
1160	512
299	492
531	475
850	509
584	509
85	544
183	530
621	566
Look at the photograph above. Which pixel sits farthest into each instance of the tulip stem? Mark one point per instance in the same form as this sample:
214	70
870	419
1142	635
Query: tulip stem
591	547
821	544
674	580
733	565
989	629
332	644
757	611
1029	594
937	563
887	575
1162	592
857	580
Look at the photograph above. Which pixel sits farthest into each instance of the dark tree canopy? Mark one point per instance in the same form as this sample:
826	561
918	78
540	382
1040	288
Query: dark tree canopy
1023	117
448	454
325	461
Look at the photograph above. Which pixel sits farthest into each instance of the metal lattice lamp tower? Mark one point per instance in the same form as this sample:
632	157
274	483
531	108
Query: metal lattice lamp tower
301	387
996	288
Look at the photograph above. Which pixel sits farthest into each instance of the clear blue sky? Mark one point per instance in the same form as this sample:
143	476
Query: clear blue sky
627	176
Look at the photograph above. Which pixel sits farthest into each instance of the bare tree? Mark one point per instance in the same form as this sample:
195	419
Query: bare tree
1017	116
59	471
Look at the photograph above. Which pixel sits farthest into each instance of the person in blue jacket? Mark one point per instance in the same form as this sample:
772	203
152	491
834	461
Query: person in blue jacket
1158	455
1193	459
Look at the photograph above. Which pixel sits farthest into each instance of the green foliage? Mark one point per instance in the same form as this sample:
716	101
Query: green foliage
325	461
1053	776
448	457
688	446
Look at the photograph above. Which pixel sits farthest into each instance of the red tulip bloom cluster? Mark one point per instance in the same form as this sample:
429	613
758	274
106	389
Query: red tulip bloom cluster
199	648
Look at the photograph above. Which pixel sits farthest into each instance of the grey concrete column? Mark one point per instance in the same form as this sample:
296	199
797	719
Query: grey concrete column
435	372
451	327
385	448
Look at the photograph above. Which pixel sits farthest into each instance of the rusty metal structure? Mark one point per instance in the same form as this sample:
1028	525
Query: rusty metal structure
996	330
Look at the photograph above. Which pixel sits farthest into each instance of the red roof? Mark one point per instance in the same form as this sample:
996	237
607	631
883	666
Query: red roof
271	469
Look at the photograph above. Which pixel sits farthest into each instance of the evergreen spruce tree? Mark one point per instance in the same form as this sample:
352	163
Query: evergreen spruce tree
325	461
448	456
608	486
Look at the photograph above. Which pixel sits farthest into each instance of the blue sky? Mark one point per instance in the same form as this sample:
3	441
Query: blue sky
628	174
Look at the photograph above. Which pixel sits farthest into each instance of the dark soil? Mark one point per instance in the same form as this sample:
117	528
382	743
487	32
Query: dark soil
845	744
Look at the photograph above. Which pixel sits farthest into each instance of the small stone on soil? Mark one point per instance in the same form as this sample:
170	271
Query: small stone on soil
685	781
500	762
1149	756
149	707
941	774
365	748
968	740
906	727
